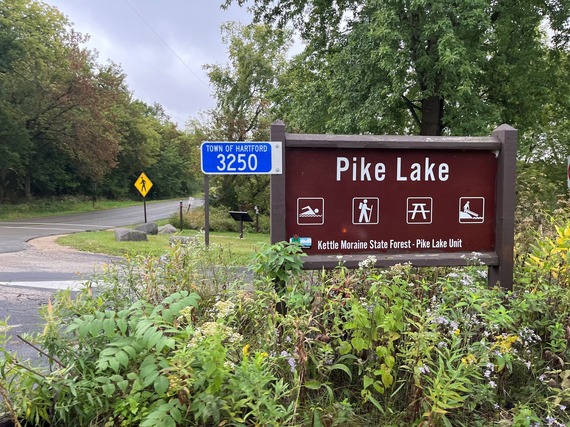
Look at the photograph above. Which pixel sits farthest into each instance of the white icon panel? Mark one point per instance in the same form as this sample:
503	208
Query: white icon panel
419	210
471	210
365	210
310	211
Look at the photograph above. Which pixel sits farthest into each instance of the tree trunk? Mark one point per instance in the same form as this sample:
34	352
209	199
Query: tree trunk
432	115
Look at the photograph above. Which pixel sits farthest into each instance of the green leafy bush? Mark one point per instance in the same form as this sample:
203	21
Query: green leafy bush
177	341
220	220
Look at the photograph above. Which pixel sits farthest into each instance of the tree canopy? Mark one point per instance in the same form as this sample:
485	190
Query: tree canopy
68	123
421	66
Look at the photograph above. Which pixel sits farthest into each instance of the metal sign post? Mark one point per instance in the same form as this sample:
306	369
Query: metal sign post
143	184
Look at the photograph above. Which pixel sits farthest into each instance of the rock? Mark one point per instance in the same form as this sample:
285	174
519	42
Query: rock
167	229
128	235
148	228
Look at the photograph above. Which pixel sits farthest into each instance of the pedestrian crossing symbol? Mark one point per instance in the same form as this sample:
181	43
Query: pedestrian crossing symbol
143	184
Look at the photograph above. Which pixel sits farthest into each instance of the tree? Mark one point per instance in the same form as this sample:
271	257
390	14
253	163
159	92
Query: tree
60	103
429	67
151	143
242	90
176	172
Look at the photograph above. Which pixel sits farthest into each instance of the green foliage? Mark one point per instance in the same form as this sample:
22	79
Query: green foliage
436	67
279	261
58	206
190	266
220	220
147	365
242	113
69	125
185	340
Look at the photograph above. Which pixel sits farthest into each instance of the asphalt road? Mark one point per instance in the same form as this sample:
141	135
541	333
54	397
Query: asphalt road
22	306
15	234
29	276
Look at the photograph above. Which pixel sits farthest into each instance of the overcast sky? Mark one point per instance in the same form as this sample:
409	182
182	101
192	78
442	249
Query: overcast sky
161	45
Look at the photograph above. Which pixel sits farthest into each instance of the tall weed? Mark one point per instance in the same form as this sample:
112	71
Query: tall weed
188	340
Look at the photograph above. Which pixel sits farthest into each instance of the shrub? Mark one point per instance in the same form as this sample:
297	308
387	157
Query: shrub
220	220
178	341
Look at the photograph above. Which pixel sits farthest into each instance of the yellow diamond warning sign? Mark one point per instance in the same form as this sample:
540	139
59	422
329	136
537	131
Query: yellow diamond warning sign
143	184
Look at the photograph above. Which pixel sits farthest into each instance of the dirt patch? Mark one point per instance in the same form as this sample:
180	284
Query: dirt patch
48	244
46	255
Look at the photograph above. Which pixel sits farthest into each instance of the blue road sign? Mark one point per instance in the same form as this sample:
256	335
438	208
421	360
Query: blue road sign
221	158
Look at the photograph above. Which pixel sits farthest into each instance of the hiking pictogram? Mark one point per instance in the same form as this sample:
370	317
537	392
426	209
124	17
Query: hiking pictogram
365	210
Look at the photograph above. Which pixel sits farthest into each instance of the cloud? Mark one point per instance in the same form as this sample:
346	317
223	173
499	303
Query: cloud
161	45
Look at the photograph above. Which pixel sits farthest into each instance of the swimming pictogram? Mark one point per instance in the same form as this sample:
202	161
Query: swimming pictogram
310	211
365	210
471	210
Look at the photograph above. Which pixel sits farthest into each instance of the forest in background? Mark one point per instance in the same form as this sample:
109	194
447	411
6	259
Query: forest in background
69	126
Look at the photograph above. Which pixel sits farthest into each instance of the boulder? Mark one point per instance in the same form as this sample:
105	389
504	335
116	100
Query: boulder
167	229
148	228
128	235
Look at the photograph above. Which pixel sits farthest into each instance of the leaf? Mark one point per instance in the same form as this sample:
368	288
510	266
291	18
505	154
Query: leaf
122	325
108	389
114	365
149	379
358	343
123	385
382	351
122	358
130	351
345	348
161	384
176	414
109	327
313	385
153	336
378	387
387	379
390	361
375	402
343	368
95	327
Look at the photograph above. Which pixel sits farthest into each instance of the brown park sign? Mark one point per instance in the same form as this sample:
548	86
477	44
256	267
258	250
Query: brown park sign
424	200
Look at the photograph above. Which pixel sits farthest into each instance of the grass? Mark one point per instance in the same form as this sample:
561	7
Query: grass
104	242
40	208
